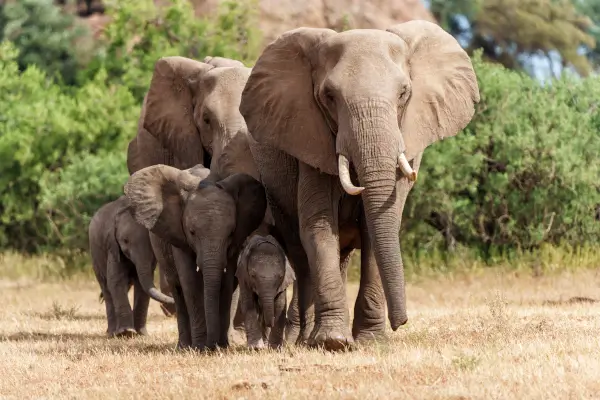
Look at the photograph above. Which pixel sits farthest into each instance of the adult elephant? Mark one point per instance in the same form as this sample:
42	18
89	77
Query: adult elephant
324	108
190	117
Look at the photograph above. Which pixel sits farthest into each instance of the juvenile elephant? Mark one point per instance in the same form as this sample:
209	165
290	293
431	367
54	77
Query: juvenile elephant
325	108
264	274
121	257
207	221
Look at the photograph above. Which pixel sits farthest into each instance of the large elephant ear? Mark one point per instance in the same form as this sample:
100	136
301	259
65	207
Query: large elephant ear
278	101
222	62
251	203
444	86
156	197
169	107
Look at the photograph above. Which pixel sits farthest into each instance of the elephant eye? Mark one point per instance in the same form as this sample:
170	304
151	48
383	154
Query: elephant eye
206	119
192	232
328	95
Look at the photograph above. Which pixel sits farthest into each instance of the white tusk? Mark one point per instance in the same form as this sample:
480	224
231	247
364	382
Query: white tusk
344	171
406	169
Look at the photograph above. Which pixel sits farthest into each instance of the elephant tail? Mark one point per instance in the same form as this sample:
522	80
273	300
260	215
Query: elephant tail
101	298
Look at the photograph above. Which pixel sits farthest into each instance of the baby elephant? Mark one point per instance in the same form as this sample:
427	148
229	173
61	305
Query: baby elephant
264	273
122	256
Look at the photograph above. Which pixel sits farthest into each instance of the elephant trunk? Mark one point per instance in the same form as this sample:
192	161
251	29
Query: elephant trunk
212	271
145	272
266	297
373	147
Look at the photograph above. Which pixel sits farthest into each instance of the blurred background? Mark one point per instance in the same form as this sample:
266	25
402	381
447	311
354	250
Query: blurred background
519	186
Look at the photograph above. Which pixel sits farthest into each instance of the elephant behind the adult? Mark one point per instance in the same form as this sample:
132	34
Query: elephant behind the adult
122	255
323	106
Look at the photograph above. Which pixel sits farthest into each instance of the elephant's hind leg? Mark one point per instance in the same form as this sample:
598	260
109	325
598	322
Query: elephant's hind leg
118	285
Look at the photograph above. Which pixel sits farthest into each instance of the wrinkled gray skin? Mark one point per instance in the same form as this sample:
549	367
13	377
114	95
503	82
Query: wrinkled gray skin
264	274
207	221
214	134
122	257
326	109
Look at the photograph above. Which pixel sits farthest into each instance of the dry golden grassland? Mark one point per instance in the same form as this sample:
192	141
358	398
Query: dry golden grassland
493	334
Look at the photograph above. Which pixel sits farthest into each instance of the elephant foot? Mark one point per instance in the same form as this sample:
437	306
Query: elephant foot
237	337
295	334
168	310
370	336
256	345
330	338
142	331
369	332
125	333
183	346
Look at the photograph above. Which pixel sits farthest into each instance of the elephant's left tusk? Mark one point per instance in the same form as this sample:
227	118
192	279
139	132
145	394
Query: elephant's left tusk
406	169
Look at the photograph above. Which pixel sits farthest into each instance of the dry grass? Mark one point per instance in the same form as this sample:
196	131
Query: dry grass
495	335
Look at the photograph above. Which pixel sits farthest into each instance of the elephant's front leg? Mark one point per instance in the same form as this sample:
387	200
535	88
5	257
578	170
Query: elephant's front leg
254	335
320	239
276	333
192	285
369	309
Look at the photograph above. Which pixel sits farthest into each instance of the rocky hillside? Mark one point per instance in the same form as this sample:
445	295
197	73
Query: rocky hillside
278	16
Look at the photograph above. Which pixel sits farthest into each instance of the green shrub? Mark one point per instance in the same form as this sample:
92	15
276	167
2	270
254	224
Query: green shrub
523	173
70	196
42	128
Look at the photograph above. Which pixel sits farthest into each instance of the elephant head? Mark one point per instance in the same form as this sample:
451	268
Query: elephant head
372	99
211	218
192	108
265	270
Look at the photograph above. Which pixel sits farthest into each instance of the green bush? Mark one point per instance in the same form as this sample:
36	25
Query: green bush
70	196
522	174
42	129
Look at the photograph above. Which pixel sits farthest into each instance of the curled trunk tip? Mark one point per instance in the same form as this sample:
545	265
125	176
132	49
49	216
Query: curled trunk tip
160	297
406	169
344	172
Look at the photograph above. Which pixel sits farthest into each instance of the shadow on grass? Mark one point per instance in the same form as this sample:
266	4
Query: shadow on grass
45	336
572	300
49	316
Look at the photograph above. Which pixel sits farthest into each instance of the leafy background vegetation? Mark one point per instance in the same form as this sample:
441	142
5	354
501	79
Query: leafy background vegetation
523	177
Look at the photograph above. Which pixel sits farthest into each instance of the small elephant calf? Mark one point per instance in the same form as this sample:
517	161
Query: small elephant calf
264	274
122	256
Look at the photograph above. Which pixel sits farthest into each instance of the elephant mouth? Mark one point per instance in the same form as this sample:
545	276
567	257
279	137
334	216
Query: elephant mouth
351	189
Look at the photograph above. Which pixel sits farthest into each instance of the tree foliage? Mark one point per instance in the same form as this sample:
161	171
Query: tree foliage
509	31
45	36
140	33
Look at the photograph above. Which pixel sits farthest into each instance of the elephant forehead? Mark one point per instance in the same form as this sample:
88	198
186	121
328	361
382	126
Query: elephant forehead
364	42
227	79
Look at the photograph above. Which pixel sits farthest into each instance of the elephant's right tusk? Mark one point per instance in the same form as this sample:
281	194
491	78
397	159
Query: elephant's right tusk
344	171
406	169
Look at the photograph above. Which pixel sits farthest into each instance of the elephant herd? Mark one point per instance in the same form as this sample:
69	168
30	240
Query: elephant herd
246	181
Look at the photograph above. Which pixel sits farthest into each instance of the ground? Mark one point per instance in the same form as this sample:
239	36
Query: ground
495	334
